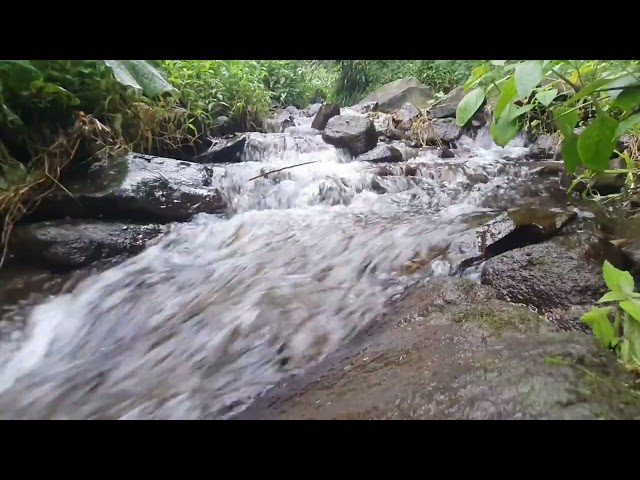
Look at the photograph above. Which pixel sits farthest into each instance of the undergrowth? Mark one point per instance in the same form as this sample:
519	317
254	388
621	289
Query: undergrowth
623	334
54	113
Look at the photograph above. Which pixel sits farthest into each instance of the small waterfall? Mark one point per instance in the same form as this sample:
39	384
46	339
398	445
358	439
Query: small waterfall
219	310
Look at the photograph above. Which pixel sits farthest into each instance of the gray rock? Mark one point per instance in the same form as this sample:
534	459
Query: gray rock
67	245
223	150
545	276
326	111
364	107
357	134
311	110
449	105
381	154
438	130
544	147
280	122
451	350
395	94
405	116
444	152
137	187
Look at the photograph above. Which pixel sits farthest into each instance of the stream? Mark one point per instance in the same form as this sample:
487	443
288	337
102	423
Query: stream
221	308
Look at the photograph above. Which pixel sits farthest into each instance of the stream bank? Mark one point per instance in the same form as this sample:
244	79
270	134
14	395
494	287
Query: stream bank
247	278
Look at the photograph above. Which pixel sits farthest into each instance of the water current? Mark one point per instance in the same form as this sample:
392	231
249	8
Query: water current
221	308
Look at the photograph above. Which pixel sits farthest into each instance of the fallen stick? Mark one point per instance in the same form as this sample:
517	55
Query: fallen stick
280	169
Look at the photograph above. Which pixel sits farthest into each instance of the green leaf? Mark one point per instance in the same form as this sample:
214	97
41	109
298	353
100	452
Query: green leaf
596	312
528	75
519	111
545	97
627	124
628	100
624	350
596	143
617	280
566	119
613	297
620	82
588	90
140	75
469	105
508	93
632	307
570	152
632	336
504	129
476	75
497	63
598	320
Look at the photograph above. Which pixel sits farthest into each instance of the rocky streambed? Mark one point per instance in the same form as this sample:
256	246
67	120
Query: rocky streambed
391	265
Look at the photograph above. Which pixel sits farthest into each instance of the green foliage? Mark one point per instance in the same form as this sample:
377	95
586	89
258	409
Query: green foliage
550	95
623	335
357	78
469	105
296	82
211	88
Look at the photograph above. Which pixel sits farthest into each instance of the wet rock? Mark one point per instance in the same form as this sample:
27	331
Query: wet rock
602	183
394	95
451	350
357	134
223	150
543	147
449	105
311	110
440	130
515	229
381	154
548	167
444	152
364	107
282	120
405	116
137	187
545	276
219	126
325	112
66	245
393	134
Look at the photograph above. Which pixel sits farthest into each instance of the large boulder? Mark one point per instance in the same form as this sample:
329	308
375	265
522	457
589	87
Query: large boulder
451	350
405	116
545	276
137	187
311	110
447	108
356	134
381	154
65	245
439	130
326	112
395	94
223	150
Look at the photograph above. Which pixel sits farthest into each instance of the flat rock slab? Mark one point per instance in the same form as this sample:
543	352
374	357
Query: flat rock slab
545	276
74	244
356	134
381	154
394	95
455	352
138	187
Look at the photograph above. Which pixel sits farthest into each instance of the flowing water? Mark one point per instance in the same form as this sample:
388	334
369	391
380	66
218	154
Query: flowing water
220	309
